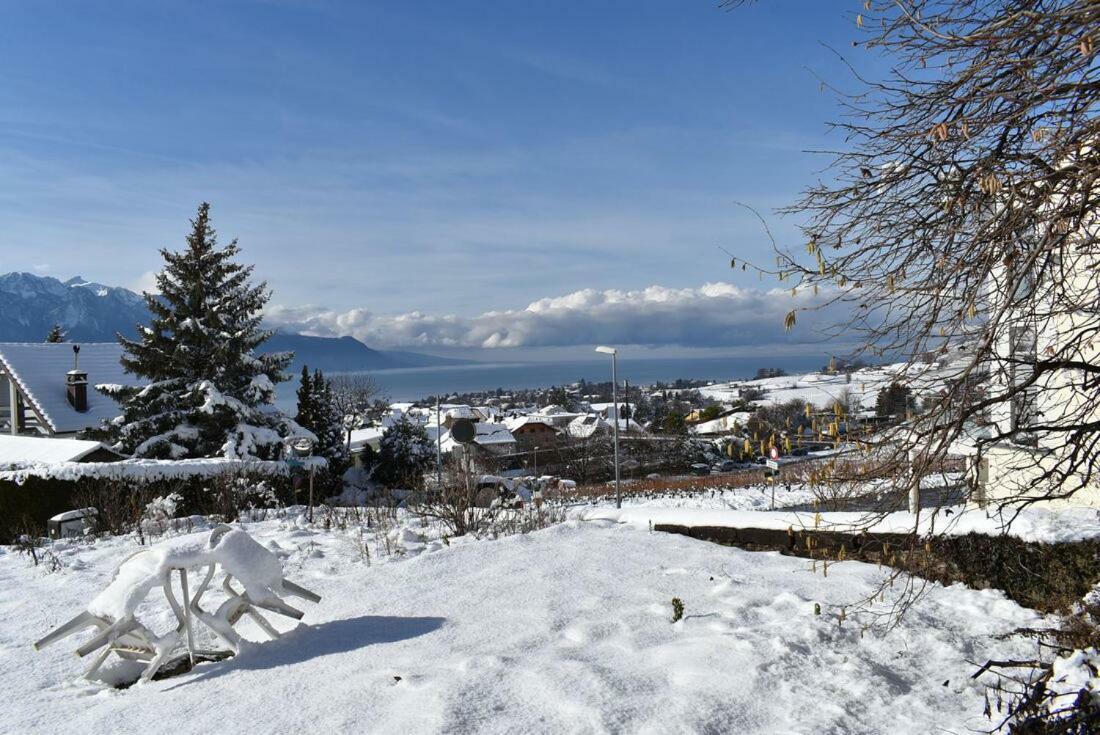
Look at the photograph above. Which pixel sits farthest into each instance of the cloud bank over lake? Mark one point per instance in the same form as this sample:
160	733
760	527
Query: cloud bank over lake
712	315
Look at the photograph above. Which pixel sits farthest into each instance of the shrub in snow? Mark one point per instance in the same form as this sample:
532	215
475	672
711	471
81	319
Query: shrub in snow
1059	694
162	508
677	609
1074	685
209	393
404	453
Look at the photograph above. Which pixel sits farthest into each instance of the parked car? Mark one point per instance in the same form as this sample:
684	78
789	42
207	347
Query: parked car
727	465
700	469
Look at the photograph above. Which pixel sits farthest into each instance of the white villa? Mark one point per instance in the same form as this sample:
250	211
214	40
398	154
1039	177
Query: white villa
1008	467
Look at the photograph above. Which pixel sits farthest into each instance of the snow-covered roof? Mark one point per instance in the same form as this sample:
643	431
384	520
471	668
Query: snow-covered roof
630	426
583	427
722	423
371	435
516	422
23	450
488	434
39	369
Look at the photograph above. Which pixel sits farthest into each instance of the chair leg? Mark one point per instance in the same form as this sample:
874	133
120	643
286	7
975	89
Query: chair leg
299	591
81	621
276	605
106	636
163	647
262	622
92	670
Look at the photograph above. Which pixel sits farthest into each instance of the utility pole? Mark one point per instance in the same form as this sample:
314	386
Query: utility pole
615	409
438	449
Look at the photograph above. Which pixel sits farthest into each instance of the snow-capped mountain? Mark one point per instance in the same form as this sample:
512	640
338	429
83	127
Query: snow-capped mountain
92	312
30	305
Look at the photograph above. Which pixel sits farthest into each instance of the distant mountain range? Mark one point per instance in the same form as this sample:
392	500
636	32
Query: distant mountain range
92	312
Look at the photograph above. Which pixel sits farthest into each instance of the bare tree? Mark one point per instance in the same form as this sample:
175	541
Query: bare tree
961	211
354	395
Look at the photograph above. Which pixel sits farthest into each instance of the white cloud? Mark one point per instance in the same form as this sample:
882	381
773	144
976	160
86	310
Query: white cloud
145	283
712	315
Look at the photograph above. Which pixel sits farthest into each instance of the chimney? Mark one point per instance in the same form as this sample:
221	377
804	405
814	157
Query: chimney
76	381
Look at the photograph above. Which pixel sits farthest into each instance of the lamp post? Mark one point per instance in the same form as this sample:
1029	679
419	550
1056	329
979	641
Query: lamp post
536	463
615	407
304	448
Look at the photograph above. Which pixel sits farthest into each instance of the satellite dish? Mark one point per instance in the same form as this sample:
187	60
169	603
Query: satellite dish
463	431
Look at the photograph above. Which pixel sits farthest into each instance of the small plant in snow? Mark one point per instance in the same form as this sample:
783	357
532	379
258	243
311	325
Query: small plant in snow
162	508
677	609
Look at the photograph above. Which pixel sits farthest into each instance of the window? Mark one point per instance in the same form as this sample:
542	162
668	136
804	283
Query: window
1023	408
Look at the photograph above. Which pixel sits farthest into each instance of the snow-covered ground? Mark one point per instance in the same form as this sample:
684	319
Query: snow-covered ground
750	507
1033	524
561	630
823	389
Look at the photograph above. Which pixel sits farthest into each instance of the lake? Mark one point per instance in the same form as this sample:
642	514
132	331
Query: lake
410	384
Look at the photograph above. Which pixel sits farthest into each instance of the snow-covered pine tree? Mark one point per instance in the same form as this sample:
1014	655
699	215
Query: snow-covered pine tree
209	393
404	452
56	334
307	401
318	412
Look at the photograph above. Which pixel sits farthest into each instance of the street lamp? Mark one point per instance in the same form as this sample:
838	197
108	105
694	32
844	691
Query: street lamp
615	407
536	463
303	448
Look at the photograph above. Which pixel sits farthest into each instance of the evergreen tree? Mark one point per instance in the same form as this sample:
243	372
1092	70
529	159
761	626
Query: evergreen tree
404	452
318	412
674	423
307	409
57	334
892	400
209	393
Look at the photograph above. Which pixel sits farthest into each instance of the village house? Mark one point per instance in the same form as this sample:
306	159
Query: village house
48	389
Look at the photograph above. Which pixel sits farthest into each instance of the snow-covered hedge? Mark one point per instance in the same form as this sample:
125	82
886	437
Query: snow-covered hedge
150	470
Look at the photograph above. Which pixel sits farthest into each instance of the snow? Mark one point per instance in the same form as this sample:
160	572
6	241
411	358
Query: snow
73	515
486	434
147	469
372	436
1044	525
562	630
40	371
1072	674
254	566
23	450
824	389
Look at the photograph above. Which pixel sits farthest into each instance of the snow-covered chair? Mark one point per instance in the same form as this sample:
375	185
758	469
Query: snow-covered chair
238	556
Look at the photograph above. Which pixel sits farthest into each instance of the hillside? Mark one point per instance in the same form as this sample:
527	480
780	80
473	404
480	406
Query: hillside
331	354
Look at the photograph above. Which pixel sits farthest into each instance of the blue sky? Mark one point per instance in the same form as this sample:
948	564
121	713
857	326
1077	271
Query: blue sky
440	159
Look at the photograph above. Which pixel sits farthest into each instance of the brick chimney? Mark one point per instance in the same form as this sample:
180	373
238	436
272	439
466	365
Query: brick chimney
76	381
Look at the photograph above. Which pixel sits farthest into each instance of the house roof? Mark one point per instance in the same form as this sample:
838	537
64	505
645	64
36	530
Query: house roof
39	370
24	450
371	435
583	427
488	434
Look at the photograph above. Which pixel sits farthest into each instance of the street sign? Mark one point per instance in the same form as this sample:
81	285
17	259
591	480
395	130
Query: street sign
774	453
772	464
